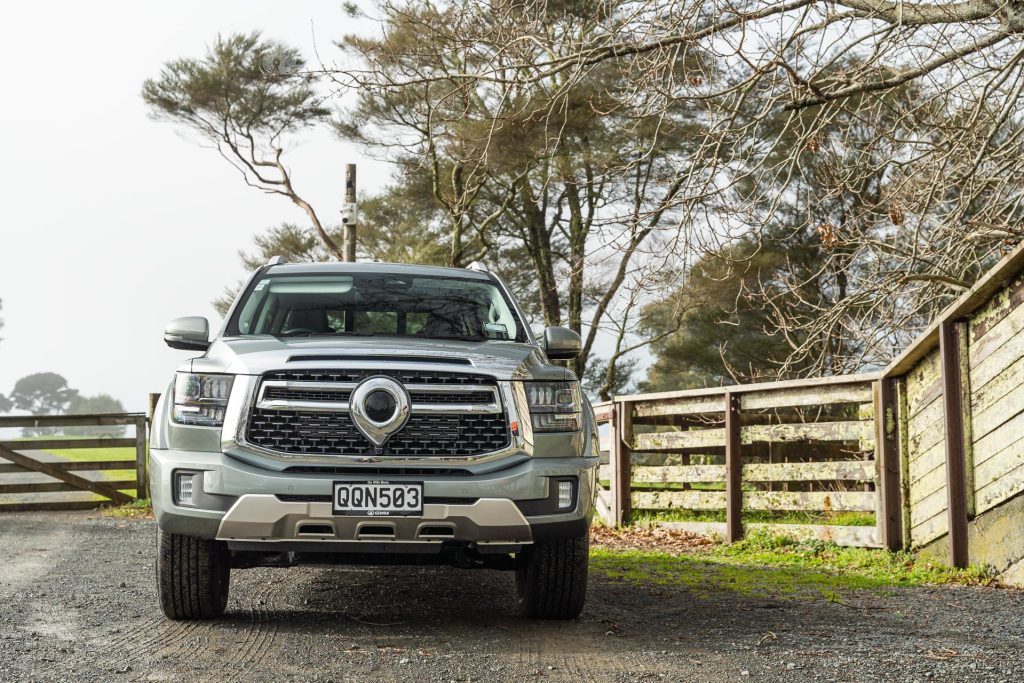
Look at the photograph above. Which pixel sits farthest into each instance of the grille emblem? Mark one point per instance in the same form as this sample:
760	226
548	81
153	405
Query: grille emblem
379	407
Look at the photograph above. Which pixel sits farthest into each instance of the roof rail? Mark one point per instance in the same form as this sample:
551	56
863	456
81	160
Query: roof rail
478	267
276	260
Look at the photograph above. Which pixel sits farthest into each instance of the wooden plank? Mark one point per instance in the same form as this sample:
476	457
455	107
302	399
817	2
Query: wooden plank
75	466
1004	465
927	428
1002	488
52	487
936	503
94	486
924	382
956	478
141	473
678	500
54	505
926	463
51	444
69	420
840	470
806	396
930	529
622	464
850	536
855	430
602	504
679	406
999	401
832	380
930	482
823	501
890	511
604	472
678	473
996	339
998	439
674	441
815	501
733	468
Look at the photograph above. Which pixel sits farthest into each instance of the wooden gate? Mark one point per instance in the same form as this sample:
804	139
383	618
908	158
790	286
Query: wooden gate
53	471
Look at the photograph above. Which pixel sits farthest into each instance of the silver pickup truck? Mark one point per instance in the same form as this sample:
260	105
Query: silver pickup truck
373	413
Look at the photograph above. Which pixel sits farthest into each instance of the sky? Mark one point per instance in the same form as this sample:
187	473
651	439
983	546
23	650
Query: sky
112	223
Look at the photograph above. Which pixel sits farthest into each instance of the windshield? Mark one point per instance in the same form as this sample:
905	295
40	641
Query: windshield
375	304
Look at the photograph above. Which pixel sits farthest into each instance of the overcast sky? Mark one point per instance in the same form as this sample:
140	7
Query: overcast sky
112	223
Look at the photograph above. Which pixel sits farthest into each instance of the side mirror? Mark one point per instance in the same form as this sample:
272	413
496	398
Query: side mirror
191	333
561	343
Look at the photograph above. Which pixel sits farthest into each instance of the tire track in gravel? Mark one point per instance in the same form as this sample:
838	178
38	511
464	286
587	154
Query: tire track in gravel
261	632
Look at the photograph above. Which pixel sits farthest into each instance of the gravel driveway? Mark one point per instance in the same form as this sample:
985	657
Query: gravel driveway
77	603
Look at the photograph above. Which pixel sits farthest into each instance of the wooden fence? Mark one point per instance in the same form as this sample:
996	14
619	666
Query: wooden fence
785	447
66	476
932	445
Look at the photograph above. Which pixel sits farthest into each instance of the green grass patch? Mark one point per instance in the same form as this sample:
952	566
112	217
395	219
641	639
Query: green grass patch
94	454
756	516
140	508
763	566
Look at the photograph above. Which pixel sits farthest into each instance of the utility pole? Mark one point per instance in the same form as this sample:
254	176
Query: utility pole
348	213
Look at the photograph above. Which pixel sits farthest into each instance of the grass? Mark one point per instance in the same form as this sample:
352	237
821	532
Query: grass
763	566
140	508
765	516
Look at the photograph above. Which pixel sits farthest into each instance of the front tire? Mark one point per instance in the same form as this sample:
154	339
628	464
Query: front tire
192	576
552	582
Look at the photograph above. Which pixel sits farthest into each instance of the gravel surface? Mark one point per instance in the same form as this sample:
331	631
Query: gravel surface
77	603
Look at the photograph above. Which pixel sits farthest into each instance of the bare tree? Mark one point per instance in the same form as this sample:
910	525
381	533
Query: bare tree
891	130
578	182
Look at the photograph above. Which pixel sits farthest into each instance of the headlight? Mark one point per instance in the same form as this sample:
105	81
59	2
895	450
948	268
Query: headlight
201	399
555	406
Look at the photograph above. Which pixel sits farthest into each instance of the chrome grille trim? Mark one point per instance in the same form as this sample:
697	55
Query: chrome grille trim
493	405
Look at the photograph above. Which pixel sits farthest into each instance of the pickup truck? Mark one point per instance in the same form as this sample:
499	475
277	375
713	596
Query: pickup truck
368	413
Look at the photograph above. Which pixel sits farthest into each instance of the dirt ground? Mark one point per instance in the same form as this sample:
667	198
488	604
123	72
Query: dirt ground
77	603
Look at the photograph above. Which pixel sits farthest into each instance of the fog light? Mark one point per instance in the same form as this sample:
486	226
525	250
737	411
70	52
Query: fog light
564	494
183	487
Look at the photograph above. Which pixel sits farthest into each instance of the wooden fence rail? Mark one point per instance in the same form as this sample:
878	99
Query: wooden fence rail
26	456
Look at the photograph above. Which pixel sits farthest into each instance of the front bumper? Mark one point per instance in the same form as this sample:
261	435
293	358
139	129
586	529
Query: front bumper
255	508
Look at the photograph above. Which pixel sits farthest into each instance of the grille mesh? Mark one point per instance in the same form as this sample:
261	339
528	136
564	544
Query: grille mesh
424	435
342	395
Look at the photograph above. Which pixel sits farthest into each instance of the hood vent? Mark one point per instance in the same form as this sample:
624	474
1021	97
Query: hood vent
382	358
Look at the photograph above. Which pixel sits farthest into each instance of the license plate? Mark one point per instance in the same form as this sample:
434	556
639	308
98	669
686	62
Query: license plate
377	498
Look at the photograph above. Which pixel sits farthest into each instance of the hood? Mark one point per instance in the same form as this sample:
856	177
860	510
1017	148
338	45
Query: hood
257	355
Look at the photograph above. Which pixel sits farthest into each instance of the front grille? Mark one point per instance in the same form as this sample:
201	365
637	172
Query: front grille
426	434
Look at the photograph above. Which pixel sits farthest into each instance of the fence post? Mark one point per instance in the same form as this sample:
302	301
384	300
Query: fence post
153	400
733	470
622	441
887	456
141	480
956	475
